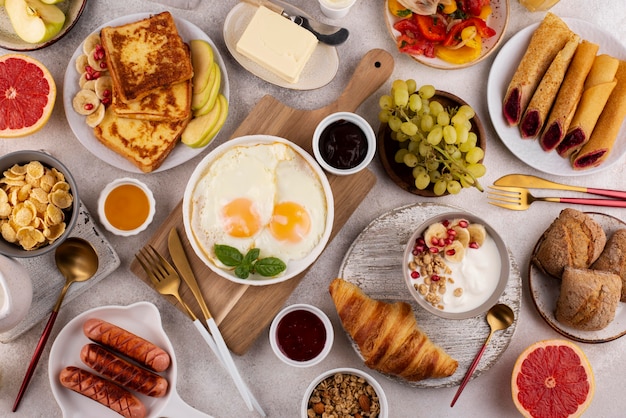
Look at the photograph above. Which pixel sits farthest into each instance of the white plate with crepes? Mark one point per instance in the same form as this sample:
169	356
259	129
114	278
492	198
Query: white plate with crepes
529	150
544	290
319	71
142	319
181	153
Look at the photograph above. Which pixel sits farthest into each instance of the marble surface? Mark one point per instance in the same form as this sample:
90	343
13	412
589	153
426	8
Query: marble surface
202	382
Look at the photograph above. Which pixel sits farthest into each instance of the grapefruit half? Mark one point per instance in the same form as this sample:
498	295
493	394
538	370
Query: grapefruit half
552	379
27	95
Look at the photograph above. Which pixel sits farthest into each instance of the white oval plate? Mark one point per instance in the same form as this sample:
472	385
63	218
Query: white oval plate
544	290
141	318
319	71
181	153
529	150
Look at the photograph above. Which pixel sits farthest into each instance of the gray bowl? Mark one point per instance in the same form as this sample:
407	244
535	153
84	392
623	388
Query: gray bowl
71	214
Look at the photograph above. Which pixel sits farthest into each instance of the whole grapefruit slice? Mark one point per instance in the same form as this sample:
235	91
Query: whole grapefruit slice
552	379
27	95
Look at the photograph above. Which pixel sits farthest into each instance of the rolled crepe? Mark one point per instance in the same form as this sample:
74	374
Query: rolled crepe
547	40
569	94
603	137
541	101
598	87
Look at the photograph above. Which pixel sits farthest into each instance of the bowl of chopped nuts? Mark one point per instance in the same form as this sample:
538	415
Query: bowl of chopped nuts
38	203
352	391
456	266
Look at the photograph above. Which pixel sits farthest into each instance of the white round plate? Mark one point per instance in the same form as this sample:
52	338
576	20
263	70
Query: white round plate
374	262
545	289
141	318
9	39
294	267
181	153
498	21
319	71
529	150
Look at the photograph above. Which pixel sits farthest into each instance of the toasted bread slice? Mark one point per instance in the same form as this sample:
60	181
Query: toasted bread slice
169	103
145	55
143	142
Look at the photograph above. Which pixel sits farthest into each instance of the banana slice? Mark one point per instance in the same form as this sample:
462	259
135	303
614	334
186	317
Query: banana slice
85	102
462	235
82	80
477	233
96	117
454	252
81	63
90	42
104	87
96	60
89	85
435	232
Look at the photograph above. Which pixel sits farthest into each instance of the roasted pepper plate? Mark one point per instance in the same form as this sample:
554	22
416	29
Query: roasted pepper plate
9	39
144	320
497	20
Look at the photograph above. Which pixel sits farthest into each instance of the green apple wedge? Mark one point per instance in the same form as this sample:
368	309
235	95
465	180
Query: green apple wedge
34	21
223	104
214	91
201	61
202	129
198	100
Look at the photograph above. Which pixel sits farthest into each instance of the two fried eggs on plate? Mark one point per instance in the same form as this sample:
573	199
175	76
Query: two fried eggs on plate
262	196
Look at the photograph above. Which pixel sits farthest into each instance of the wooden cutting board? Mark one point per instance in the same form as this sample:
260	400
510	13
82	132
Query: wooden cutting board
244	311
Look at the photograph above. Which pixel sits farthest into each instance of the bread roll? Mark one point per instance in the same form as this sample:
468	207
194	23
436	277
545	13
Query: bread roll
588	298
388	336
613	258
572	240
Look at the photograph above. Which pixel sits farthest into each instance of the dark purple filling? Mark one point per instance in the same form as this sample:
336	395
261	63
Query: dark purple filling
590	159
551	137
572	140
530	124
512	110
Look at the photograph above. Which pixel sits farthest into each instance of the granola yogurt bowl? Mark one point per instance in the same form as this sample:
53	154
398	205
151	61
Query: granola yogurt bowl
348	392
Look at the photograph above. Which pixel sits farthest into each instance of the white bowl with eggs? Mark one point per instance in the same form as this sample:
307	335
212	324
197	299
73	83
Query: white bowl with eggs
259	191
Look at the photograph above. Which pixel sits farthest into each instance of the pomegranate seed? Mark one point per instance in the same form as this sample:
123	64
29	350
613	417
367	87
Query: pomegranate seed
88	106
106	101
433	250
442	242
88	76
434	241
474	245
451	252
463	223
445	222
451	232
89	69
415	274
106	93
415	251
103	65
448	241
421	241
435	278
97	74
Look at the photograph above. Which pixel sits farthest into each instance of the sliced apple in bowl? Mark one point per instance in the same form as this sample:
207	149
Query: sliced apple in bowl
33	20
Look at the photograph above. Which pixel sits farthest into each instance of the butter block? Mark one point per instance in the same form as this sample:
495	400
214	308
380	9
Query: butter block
277	44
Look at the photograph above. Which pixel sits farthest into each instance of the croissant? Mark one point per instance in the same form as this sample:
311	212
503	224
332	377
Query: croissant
388	335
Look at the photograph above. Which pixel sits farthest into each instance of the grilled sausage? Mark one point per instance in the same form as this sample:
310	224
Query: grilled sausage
123	372
127	343
102	390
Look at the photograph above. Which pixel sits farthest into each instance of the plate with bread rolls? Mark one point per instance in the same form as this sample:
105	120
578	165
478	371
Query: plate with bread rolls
372	299
578	287
556	96
116	355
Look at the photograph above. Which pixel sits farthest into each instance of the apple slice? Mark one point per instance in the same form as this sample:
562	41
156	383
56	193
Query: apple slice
34	21
201	61
214	89
198	100
199	127
223	104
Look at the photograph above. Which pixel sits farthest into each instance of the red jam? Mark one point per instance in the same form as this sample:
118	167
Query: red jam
343	144
301	335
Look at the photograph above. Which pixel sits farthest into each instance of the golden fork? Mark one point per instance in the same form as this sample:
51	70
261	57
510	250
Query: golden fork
519	198
167	282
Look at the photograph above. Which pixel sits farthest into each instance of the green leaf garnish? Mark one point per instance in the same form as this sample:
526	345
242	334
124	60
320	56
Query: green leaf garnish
229	256
250	263
269	266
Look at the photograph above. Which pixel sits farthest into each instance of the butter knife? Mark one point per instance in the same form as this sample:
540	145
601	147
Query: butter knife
328	34
214	340
534	182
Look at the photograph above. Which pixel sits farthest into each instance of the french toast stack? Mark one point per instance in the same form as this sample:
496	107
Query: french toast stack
151	71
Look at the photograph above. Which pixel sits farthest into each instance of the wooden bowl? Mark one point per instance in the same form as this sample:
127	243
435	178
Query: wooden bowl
402	174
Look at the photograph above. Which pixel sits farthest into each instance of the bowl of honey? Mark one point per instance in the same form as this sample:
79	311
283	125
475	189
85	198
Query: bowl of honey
126	206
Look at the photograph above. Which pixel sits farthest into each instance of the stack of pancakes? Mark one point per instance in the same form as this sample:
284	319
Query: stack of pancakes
151	70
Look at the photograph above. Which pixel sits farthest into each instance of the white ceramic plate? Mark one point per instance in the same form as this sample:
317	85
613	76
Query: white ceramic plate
141	318
294	267
545	289
319	71
181	153
498	21
505	64
374	262
9	39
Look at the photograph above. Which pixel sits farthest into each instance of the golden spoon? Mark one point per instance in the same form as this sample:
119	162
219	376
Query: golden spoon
77	261
499	317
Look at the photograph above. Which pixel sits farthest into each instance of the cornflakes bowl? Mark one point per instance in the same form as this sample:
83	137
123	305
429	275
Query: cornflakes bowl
38	203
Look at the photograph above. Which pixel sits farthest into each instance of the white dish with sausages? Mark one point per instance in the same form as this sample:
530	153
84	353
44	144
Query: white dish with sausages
142	319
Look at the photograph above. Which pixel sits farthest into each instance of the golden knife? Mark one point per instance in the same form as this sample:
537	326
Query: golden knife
534	182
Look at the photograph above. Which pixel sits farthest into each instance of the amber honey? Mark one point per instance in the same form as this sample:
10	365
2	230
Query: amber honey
127	207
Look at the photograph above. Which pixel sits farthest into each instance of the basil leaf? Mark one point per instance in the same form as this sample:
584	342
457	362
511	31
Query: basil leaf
242	271
252	255
269	266
229	256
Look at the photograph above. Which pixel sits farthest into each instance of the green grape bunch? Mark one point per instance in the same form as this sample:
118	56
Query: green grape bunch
436	142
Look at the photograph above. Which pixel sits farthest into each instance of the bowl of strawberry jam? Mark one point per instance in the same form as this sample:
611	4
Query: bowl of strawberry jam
301	335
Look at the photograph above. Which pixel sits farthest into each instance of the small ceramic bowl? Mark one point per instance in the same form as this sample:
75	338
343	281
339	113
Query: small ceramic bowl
301	335
336	9
377	396
135	200
477	279
345	122
70	214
